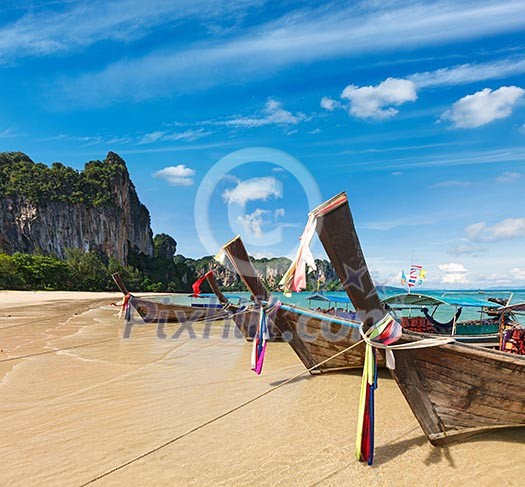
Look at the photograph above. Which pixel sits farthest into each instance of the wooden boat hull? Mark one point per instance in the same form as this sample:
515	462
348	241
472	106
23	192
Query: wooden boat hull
154	312
458	390
316	337
246	318
313	336
157	311
455	390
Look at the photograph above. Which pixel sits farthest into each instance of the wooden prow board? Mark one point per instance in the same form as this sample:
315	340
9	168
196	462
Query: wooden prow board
242	264
336	230
120	283
215	288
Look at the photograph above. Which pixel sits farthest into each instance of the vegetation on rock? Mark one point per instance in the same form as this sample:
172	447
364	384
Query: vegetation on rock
38	183
100	186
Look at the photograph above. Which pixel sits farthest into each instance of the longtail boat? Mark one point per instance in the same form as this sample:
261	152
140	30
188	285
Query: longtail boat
314	336
455	390
244	317
418	312
154	311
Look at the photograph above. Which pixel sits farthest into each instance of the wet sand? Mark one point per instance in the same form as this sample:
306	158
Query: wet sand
78	401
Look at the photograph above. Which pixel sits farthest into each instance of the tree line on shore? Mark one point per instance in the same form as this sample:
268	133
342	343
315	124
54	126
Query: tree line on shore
91	271
99	185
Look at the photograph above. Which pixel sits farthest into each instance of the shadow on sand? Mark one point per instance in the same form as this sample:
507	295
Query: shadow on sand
438	454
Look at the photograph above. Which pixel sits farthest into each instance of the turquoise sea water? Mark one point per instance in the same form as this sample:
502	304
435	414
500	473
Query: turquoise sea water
444	312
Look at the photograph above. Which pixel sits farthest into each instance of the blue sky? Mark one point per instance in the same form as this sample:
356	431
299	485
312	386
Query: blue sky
416	109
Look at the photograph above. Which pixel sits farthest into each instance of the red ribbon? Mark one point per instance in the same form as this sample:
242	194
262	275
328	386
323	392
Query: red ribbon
196	286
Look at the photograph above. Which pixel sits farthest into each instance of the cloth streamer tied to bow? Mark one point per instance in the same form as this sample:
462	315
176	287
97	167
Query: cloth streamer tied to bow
263	334
295	277
196	286
382	335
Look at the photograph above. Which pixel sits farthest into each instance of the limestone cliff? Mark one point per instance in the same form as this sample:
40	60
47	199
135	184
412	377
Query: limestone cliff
272	270
49	209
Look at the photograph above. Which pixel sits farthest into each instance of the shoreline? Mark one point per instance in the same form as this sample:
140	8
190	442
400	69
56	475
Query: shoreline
88	401
13	299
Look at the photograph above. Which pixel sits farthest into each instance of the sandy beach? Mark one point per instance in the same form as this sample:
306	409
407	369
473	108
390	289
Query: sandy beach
83	406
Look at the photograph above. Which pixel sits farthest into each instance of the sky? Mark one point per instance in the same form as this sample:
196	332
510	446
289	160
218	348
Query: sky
237	117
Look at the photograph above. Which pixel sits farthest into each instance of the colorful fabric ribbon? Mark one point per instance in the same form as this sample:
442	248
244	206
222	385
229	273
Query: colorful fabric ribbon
221	257
381	335
384	332
295	277
262	335
125	308
196	286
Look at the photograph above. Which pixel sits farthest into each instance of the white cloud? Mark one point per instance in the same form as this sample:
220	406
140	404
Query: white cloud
87	140
518	273
78	24
9	133
483	107
279	212
508	177
390	223
302	36
466	250
451	184
148	138
454	273
329	103
453	267
475	229
272	114
276	114
164	136
376	102
179	175
255	189
469	73
505	155
454	279
254	222
507	229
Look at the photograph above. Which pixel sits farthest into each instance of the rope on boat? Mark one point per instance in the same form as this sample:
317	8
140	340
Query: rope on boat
216	418
388	348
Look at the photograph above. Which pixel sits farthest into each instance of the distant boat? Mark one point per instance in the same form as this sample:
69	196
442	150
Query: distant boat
337	305
455	390
314	336
208	309
417	312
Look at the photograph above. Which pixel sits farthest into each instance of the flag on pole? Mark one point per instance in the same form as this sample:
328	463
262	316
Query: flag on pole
403	278
422	275
414	275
